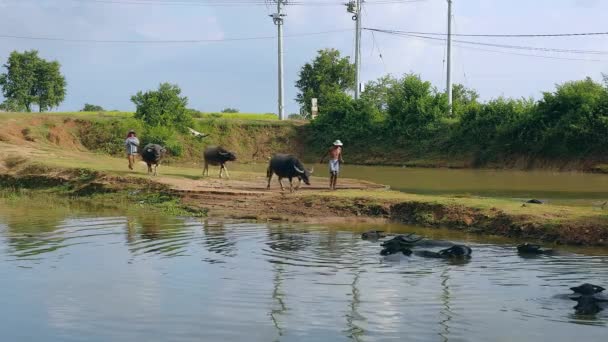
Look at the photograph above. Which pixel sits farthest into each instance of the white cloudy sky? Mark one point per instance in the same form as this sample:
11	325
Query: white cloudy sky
243	74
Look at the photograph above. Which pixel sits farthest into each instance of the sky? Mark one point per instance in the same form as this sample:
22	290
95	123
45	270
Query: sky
243	73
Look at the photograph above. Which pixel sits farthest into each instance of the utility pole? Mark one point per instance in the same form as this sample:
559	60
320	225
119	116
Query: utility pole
449	58
277	18
354	7
358	52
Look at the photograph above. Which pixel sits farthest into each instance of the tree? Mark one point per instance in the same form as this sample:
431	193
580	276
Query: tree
327	71
462	98
31	80
230	110
376	92
163	107
414	108
92	108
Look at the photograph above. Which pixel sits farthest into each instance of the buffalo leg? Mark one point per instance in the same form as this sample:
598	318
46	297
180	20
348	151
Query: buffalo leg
155	167
299	183
290	184
206	168
226	171
221	169
281	183
269	175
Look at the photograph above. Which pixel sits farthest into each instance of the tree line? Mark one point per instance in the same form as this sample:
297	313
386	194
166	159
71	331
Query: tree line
409	113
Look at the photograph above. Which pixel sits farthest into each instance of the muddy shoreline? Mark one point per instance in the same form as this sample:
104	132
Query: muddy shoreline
251	201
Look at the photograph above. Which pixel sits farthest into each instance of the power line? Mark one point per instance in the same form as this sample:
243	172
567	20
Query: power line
504	46
506	52
233	3
170	41
535	35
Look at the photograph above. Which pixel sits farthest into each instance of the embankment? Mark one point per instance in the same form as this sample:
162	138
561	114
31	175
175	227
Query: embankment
252	140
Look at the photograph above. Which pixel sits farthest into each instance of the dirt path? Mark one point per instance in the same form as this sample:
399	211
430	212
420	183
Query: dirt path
251	199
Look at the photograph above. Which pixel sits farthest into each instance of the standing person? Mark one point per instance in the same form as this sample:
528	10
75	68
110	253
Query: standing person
335	158
131	144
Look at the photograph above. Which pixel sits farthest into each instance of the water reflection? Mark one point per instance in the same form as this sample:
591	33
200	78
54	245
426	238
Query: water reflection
189	279
217	239
446	310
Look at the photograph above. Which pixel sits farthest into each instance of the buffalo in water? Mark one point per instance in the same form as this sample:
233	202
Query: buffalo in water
373	235
587	301
456	251
287	166
216	155
530	249
152	155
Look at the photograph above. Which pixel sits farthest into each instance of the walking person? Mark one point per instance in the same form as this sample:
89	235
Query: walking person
131	144
335	158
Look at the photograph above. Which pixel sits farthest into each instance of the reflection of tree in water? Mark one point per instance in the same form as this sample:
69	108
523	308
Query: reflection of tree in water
217	240
277	295
446	310
287	239
32	231
355	332
152	233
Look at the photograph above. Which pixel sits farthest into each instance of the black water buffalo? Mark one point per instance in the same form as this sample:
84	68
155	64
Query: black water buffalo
152	155
373	235
529	249
399	244
587	305
456	251
216	155
287	166
587	289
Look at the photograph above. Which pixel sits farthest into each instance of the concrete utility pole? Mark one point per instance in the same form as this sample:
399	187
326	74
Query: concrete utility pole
277	18
358	50
449	57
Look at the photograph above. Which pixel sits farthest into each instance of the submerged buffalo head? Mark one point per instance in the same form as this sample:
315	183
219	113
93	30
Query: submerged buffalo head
456	251
587	289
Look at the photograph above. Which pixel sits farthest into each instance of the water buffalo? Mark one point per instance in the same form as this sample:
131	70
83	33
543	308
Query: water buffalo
373	235
529	249
587	289
287	166
400	243
393	249
152	155
456	251
215	155
587	305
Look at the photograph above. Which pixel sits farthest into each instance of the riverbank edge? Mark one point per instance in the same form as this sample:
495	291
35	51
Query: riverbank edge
97	188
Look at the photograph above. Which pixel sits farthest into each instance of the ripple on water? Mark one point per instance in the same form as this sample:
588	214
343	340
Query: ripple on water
159	278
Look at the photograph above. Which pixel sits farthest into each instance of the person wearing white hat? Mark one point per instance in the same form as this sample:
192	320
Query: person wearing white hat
335	158
131	144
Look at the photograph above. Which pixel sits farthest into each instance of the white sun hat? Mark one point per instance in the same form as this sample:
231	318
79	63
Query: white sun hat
338	143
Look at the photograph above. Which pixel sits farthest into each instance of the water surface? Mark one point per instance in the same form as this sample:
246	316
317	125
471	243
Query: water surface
569	188
80	275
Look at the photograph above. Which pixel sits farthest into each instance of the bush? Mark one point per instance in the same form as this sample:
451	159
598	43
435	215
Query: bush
163	136
91	108
230	110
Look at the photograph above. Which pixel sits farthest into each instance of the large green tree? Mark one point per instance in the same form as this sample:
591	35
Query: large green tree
163	107
31	80
329	72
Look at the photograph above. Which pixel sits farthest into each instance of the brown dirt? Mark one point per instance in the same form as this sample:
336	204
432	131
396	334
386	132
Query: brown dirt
250	199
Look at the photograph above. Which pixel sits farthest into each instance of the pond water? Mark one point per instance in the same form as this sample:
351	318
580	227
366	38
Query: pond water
71	274
568	188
